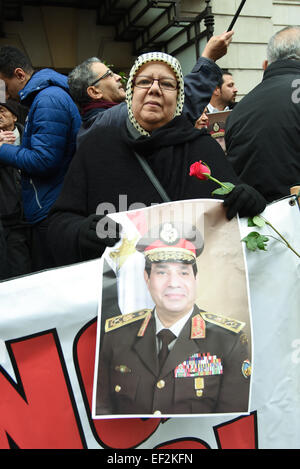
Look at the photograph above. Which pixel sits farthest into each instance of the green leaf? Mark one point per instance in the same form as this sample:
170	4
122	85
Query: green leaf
250	222
258	221
250	241
255	241
224	190
261	242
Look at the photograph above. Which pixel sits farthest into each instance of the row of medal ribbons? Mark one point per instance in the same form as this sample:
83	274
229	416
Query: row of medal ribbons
199	365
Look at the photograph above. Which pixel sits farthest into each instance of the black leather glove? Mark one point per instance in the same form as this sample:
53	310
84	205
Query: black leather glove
244	200
94	237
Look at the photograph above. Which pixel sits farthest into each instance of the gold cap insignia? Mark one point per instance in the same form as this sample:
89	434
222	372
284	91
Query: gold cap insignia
177	242
168	234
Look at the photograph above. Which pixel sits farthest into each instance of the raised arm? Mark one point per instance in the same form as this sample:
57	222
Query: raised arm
200	83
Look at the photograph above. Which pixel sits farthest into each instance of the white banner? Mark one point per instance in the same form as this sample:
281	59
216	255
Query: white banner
48	329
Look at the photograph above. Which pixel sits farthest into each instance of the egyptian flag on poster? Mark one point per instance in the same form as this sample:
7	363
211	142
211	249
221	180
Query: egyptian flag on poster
128	264
126	261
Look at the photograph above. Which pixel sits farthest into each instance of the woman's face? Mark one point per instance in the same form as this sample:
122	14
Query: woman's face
154	107
202	121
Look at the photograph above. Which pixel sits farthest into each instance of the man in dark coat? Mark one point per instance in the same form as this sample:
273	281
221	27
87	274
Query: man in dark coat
262	131
94	88
203	364
15	253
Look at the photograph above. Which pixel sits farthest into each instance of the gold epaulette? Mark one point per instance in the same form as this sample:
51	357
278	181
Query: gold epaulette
228	323
124	319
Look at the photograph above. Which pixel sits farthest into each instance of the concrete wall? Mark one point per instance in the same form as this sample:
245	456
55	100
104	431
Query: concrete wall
63	37
258	21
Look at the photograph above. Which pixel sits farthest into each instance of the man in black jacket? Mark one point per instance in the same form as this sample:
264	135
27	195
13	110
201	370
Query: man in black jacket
15	258
263	131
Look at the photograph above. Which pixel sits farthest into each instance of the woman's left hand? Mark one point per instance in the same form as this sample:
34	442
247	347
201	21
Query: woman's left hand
244	200
217	46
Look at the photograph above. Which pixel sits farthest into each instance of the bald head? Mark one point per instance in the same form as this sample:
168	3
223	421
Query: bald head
285	44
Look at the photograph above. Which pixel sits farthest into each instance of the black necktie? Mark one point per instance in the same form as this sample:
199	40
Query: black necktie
166	337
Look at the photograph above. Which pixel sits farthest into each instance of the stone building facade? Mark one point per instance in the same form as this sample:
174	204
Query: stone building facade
63	36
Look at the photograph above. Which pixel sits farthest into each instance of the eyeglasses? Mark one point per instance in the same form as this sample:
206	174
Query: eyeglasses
167	84
108	73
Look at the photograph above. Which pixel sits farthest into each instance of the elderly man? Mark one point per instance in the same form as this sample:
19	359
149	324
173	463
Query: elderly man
16	257
94	88
262	132
11	130
176	359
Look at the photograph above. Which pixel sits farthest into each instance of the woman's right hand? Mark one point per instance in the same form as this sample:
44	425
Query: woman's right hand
217	46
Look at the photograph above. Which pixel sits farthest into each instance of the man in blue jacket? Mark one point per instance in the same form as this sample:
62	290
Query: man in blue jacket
48	143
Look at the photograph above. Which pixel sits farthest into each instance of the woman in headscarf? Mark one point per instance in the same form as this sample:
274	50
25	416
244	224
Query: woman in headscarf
107	174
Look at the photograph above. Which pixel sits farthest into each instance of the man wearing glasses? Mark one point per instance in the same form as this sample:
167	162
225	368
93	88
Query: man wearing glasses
94	88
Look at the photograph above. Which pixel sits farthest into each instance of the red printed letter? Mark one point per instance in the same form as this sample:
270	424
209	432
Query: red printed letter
111	433
38	411
240	433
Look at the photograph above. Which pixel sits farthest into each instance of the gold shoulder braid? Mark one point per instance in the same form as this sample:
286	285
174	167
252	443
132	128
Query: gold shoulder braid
228	323
124	319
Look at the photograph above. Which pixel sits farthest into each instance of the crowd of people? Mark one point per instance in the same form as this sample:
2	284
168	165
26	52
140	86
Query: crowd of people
87	140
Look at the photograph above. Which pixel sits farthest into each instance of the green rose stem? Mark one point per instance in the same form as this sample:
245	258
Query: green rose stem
280	235
228	188
218	182
260	216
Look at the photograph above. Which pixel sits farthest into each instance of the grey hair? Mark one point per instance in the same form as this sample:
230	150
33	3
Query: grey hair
79	80
285	44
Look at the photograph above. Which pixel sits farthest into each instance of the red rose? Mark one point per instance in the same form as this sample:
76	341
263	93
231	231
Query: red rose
200	170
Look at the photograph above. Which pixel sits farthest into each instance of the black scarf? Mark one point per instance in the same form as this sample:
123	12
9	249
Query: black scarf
171	149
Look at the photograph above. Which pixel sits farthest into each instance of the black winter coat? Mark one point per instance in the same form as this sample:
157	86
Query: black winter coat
263	132
107	168
11	205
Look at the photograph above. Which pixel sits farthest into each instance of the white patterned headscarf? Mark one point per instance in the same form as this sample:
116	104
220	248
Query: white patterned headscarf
154	57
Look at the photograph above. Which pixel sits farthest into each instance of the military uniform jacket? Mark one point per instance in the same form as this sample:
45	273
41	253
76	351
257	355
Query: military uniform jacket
200	375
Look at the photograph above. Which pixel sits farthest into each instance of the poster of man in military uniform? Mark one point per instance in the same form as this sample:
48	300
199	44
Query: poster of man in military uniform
176	357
